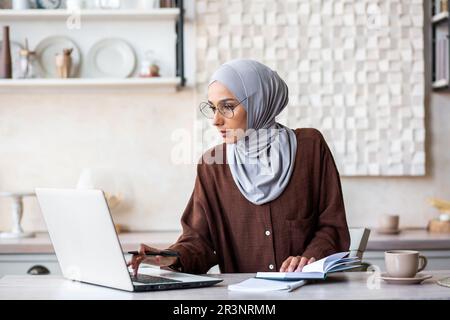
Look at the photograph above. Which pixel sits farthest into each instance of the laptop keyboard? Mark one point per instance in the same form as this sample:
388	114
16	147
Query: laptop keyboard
145	278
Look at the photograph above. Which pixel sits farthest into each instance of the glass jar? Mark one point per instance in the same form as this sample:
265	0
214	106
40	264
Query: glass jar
29	65
149	66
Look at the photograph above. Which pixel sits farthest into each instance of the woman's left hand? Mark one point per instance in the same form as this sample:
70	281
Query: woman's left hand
295	264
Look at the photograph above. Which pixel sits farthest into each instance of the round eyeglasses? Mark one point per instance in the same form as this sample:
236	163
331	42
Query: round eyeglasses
225	107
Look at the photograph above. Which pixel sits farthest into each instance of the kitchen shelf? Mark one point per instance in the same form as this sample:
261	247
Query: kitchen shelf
157	83
38	14
439	17
120	23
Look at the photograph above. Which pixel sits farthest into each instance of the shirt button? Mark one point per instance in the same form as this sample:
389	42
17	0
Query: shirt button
271	266
267	233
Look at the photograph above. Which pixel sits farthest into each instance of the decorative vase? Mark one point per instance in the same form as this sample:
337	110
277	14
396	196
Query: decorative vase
5	57
64	63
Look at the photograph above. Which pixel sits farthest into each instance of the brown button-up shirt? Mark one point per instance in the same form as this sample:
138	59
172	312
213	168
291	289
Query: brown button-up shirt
220	226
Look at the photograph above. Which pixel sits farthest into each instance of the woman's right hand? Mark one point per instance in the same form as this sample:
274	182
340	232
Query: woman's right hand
161	261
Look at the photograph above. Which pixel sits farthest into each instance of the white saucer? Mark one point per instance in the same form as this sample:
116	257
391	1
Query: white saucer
388	231
415	280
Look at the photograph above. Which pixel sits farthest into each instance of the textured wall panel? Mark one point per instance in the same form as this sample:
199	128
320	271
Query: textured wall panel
355	71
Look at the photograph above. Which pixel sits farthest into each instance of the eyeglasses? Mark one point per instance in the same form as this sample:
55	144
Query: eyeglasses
226	108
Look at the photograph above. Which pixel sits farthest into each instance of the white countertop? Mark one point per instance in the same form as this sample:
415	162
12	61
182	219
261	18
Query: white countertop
418	239
130	241
345	286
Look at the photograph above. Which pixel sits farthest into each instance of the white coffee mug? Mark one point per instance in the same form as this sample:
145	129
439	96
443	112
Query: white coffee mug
404	263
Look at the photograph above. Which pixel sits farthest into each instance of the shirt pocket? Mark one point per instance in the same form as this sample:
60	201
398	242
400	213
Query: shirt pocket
300	233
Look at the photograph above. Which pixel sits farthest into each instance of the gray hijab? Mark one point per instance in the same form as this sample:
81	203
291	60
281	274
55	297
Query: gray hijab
263	160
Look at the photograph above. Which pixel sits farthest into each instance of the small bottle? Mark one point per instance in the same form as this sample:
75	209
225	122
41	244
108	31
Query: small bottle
23	63
5	57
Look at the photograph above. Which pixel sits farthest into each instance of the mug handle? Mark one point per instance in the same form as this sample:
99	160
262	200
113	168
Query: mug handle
422	264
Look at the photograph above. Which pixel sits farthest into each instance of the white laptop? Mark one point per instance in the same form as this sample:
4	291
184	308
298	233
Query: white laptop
88	249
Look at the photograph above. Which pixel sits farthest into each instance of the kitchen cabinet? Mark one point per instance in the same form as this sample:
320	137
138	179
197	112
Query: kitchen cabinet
20	264
17	256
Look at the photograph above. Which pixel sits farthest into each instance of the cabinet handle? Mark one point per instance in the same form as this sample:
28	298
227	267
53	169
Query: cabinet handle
38	270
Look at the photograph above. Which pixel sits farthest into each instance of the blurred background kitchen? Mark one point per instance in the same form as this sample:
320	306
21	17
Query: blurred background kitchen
104	94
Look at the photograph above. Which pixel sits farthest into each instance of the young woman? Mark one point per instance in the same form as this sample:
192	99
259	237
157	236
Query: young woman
275	203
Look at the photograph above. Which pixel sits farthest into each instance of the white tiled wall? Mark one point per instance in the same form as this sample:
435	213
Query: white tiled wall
355	70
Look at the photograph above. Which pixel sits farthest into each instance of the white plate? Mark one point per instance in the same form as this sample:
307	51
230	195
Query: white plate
49	47
15	57
111	58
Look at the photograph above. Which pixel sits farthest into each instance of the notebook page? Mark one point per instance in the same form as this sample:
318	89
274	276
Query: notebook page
344	267
322	264
317	266
345	261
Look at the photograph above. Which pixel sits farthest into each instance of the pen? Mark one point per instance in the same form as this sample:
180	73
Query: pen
165	253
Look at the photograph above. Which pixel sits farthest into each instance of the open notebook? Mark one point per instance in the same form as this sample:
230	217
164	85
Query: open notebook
316	270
